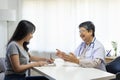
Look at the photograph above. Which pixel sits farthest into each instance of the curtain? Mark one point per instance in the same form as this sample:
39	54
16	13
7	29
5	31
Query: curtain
57	22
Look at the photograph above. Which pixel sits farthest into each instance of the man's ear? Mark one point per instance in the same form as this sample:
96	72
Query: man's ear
91	32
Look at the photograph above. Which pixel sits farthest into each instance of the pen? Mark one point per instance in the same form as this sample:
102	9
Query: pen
50	56
108	53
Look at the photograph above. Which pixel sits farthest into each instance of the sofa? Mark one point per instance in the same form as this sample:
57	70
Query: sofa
2	68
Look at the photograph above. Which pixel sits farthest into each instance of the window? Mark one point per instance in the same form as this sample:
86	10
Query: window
57	22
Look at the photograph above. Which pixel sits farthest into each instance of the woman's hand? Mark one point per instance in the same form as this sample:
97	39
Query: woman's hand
39	63
50	60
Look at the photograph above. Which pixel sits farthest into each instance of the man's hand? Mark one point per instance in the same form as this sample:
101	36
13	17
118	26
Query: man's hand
60	53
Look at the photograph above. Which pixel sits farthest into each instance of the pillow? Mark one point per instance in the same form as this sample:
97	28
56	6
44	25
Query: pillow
2	65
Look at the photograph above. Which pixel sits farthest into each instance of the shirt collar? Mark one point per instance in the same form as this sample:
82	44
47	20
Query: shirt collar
91	44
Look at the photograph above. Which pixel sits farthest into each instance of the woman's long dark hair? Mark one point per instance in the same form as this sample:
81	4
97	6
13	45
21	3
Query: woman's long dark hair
23	28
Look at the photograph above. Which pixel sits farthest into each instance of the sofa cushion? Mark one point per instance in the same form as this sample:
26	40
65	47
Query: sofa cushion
2	75
2	65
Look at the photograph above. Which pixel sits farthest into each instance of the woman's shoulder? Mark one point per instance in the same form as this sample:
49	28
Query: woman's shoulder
12	43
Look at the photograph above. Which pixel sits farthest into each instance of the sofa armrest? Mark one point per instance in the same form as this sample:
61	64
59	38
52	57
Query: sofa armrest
2	65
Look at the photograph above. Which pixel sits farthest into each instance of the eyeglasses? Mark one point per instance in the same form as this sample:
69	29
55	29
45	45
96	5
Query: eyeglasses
82	31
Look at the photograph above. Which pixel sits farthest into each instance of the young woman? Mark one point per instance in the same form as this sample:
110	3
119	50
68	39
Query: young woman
18	57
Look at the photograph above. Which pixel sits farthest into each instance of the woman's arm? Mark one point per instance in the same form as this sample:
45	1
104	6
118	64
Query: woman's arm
36	58
17	67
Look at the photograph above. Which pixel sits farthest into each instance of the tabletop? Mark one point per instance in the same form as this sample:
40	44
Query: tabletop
73	72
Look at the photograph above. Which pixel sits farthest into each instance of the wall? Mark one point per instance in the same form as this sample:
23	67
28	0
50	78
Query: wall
6	29
3	4
3	38
3	29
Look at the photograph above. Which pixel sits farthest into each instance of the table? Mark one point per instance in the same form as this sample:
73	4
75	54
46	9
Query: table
109	59
73	73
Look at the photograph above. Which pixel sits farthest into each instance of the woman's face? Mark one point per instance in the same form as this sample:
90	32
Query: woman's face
28	37
85	34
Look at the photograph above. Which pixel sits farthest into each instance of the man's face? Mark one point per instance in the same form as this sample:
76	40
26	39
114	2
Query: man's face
85	34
